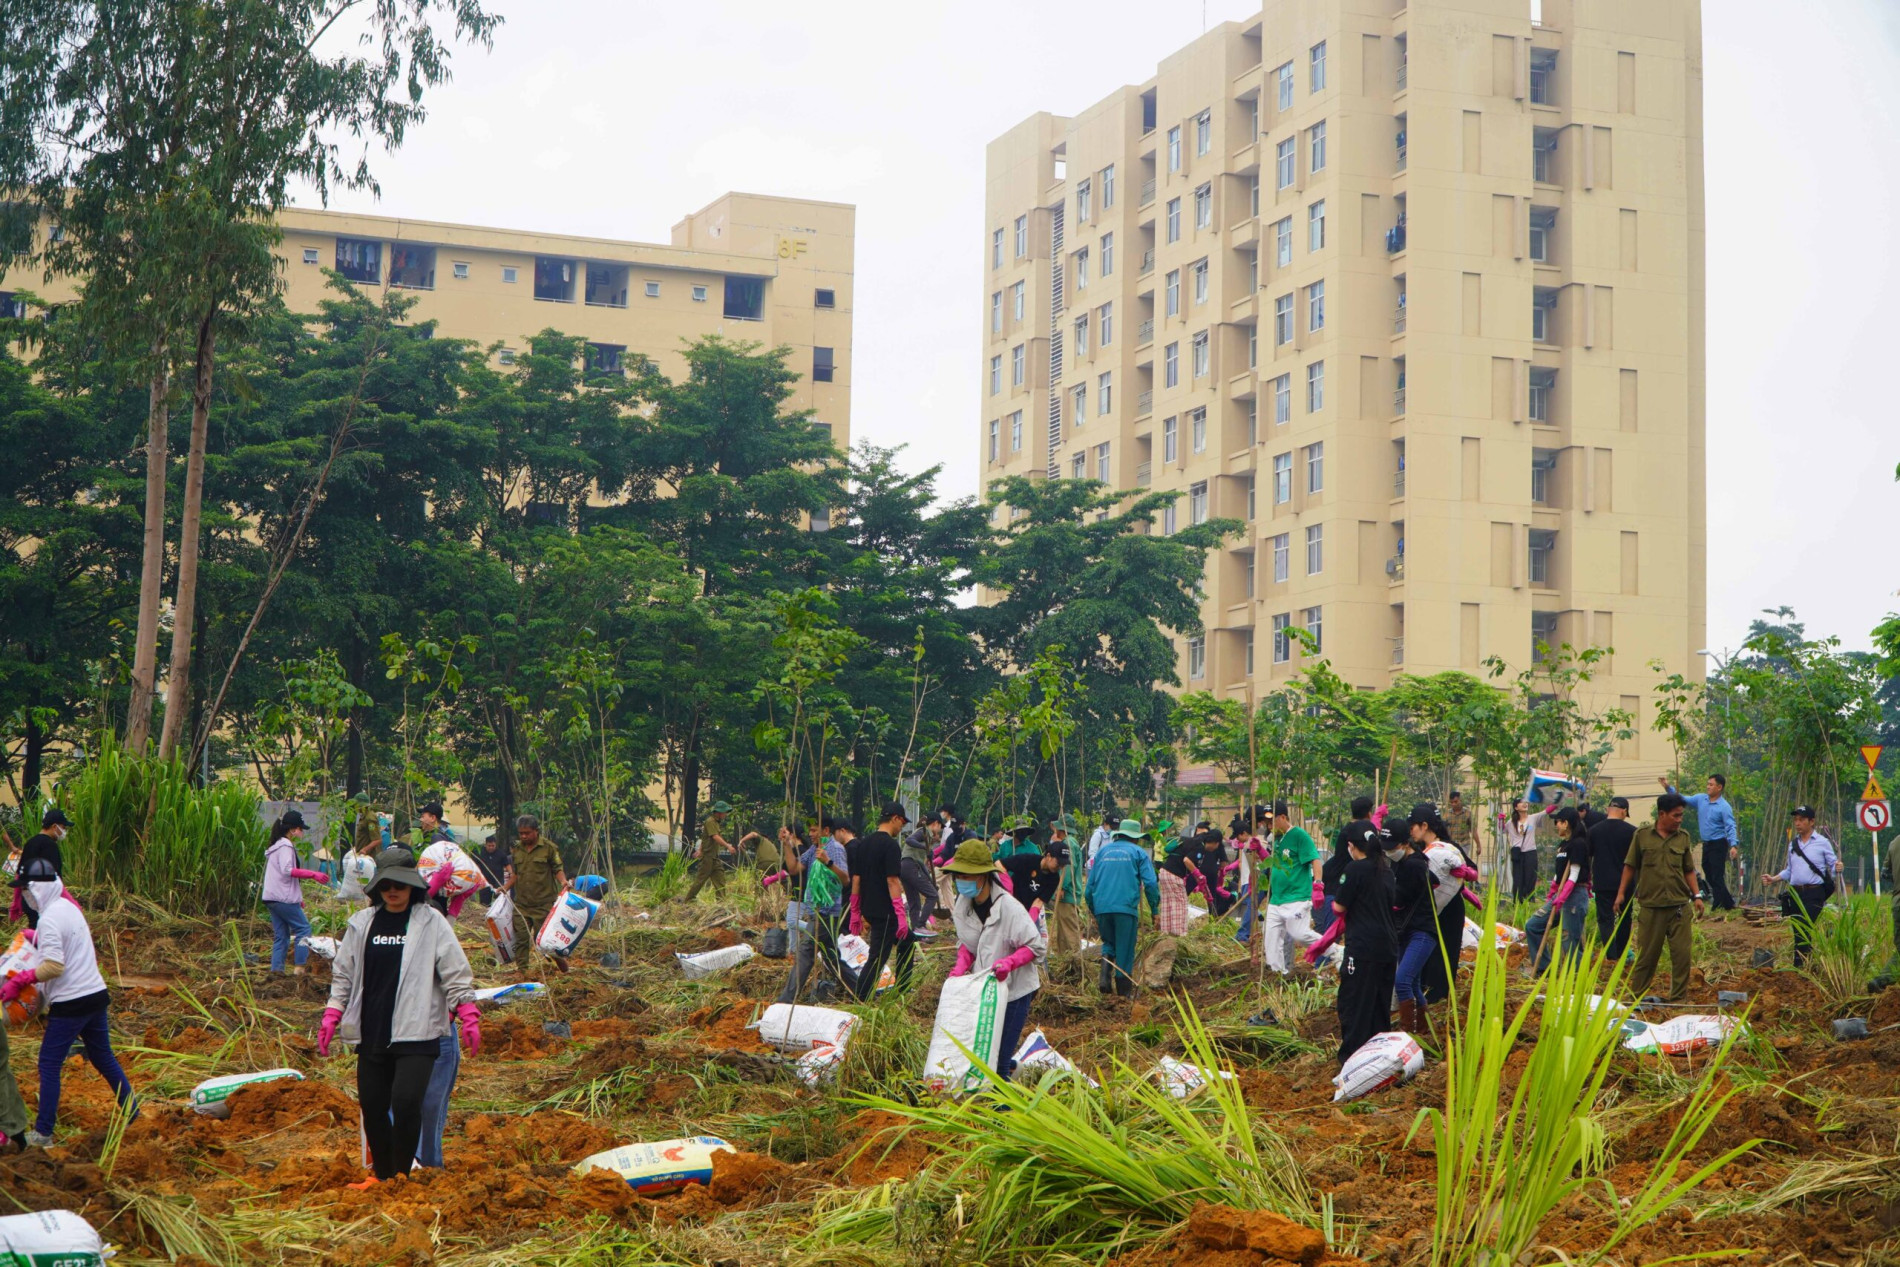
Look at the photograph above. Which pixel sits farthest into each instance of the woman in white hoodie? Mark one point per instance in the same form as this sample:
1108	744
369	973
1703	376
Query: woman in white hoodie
74	993
996	935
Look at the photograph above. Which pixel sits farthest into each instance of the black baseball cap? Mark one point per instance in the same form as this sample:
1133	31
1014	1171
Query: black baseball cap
433	807
1279	808
1802	811
893	810
55	817
1619	802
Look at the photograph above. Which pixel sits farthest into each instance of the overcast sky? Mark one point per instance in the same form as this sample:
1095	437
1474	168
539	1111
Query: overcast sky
603	118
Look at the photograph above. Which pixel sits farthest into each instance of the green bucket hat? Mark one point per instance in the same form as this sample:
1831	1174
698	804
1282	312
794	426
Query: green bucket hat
1163	826
1129	830
399	865
721	807
973	857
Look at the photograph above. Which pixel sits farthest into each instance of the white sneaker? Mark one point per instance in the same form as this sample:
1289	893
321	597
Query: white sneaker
36	1140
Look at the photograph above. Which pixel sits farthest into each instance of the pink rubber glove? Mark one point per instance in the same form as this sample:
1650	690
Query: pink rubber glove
774	878
1022	956
18	909
1232	866
1222	894
856	924
1471	896
1009	885
326	1032
1327	938
471	1018
1319	892
966	959
457	902
1378	816
32	936
1466	872
903	919
300	873
437	882
1562	888
11	990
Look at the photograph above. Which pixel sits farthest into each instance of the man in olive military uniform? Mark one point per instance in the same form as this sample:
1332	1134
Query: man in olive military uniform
537	879
1660	870
712	845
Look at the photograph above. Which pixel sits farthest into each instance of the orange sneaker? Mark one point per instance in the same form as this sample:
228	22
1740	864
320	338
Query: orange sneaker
363	1186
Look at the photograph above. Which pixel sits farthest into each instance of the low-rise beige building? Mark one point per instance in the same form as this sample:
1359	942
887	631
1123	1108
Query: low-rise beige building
1414	289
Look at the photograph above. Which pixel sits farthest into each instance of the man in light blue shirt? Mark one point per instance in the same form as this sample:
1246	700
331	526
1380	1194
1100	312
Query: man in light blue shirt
1809	875
1721	842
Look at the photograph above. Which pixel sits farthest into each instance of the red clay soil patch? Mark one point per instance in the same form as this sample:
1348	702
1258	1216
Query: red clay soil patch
722	1026
1221	1236
274	1106
720	938
515	1039
740	1180
883	1149
546	1137
1886	1009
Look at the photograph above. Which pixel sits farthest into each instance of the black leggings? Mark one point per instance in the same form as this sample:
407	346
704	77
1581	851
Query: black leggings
1365	1001
390	1089
885	943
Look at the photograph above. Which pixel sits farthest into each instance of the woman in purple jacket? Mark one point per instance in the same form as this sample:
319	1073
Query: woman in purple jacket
283	895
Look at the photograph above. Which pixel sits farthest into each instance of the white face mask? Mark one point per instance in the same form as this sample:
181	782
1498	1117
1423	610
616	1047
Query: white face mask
41	894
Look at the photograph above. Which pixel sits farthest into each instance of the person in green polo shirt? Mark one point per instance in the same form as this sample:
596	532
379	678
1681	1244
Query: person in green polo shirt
1294	887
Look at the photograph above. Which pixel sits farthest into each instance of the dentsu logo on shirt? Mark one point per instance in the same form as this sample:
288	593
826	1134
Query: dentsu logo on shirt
389	939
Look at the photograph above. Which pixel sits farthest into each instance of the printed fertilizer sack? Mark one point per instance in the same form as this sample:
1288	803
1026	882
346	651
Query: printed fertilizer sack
1506	935
970	1012
499	994
794	1028
566	924
1385	1061
655	1169
854	951
1182	1080
357	871
1035	1057
51	1238
211	1098
22	956
464	875
819	1066
322	947
501	927
705	964
1681	1034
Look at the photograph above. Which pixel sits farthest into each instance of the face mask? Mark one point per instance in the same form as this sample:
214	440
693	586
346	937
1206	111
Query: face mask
969	888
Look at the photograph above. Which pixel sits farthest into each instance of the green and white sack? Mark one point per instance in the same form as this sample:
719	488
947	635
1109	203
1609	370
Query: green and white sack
50	1238
969	1012
212	1096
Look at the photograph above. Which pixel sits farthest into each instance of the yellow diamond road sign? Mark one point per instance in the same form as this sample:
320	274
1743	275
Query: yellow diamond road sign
1872	791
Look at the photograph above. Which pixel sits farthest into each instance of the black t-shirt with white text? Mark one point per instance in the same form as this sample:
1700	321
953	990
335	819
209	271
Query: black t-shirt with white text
382	972
875	861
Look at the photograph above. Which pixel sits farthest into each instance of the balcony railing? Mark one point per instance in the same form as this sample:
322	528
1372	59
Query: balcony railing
1395	238
1144	403
1398	403
1145	333
1147	193
1401	163
1395	568
1147	262
1398	319
1144	474
1402	66
1398	651
1398	484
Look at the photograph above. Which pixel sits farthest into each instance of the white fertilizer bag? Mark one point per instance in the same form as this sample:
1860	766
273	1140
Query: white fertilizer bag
819	1066
501	927
22	956
499	994
704	965
1682	1034
1506	935
970	1012
1182	1080
322	947
51	1238
567	922
656	1169
464	875
795	1028
1035	1057
854	951
211	1098
1385	1061
1196	912
357	871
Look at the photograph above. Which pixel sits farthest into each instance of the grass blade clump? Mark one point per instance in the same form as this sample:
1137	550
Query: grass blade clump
1852	941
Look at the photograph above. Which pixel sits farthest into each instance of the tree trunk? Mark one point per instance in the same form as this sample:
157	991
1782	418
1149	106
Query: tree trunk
184	606
138	715
33	757
353	776
505	760
689	799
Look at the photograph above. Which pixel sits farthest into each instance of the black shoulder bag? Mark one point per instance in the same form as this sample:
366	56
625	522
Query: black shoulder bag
1825	887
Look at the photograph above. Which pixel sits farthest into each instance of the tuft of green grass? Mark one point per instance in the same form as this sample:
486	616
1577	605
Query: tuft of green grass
1853	941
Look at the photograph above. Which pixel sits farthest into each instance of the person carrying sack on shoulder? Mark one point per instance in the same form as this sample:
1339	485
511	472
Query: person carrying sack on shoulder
1809	875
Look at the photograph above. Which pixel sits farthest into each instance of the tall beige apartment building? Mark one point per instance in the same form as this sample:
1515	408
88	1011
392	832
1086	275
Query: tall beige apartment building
1414	288
749	267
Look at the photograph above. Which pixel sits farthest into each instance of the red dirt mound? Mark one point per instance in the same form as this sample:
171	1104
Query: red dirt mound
274	1106
1221	1236
722	1026
512	1038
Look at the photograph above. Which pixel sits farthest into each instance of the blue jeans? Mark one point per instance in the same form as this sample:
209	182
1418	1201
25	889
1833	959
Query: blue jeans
288	928
62	1032
435	1101
1245	906
1576	910
1414	954
1015	1016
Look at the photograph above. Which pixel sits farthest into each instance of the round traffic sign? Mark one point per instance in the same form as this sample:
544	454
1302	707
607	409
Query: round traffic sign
1875	815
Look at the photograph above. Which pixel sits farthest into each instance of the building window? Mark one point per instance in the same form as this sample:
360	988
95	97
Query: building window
1022	236
1104	392
996	249
1108	186
1079	412
1543	388
1283	242
1203	131
1016	432
1543	635
1171	293
1316	226
1253	196
1282	478
1282	557
1315	549
1108	254
1082	269
1253	347
1170	440
1246	639
1101	462
821	365
1543	467
1316	144
1174	149
819	298
1315	467
1543	76
460	268
1248	580
506	356
1252	483
1105	323
411	267
1282	320
745	298
1017	301
1283	172
1204	207
1171	365
1174	219
554	280
1544	314
996	312
1316	306
1282	400
996	438
360	260
1167	520
1316	67
508	274
1314	630
699	296
606	360
1082	335
1197	430
310	256
996	375
1543	544
1282	639
1283	85
1315	387
1544	156
1084	201
1018	365
1197	657
1079	465
1199	271
1199	348
653	290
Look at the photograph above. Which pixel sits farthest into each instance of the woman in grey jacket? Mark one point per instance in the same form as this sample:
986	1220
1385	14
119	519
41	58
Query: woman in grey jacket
397	976
996	935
